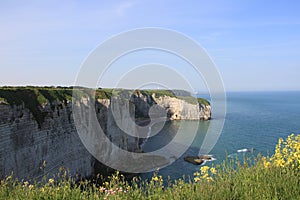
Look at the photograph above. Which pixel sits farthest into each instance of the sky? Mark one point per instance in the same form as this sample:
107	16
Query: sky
254	44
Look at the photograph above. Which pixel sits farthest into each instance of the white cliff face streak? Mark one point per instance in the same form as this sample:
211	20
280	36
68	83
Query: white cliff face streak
25	142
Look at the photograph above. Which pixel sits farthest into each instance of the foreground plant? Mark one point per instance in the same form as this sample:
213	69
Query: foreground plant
275	177
287	153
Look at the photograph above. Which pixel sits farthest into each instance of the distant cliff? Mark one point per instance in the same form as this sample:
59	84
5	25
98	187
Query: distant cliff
36	125
176	107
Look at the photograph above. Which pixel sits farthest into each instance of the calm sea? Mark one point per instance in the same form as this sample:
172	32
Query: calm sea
254	120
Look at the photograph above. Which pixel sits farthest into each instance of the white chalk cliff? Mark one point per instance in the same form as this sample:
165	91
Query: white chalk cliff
32	135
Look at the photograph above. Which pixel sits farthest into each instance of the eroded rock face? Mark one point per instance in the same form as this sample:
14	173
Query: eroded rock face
178	109
25	144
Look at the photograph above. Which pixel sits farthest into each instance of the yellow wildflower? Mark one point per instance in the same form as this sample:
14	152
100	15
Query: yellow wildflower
197	179
51	181
213	170
204	169
205	176
209	179
26	183
287	153
267	164
196	174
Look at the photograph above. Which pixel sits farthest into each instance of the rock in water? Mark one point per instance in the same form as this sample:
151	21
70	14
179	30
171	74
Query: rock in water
205	157
196	160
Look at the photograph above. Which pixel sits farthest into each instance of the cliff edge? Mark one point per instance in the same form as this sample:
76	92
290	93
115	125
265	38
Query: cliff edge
36	125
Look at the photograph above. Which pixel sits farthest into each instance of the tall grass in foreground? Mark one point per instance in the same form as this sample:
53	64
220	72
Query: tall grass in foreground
275	177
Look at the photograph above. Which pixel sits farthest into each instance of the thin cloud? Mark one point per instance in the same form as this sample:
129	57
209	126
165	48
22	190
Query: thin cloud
123	7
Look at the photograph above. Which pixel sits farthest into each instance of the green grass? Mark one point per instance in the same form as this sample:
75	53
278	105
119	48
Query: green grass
253	178
203	101
243	182
158	93
188	99
16	95
30	98
34	98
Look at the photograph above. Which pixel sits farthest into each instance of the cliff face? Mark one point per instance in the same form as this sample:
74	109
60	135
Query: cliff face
176	108
25	146
27	142
179	109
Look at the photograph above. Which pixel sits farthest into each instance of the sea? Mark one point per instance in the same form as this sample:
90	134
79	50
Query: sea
253	124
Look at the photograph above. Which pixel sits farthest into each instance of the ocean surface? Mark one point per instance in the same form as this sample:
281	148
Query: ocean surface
253	120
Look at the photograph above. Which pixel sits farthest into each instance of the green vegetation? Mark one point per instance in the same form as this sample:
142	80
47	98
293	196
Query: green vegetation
158	93
34	98
2	99
170	93
188	99
18	95
275	177
30	98
203	101
56	94
104	93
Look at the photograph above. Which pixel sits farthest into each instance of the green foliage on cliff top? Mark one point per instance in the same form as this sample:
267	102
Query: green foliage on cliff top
203	101
34	98
108	93
193	100
42	94
103	93
30	98
158	93
188	98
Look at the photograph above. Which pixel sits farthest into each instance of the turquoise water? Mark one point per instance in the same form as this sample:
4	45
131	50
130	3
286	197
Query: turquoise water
253	120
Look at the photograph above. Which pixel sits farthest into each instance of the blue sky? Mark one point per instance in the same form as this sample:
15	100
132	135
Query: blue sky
255	44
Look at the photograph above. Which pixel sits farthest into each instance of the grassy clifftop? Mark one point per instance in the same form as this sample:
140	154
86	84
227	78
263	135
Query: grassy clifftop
274	177
33	98
42	95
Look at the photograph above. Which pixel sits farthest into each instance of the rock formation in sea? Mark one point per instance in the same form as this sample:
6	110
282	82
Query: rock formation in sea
38	134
